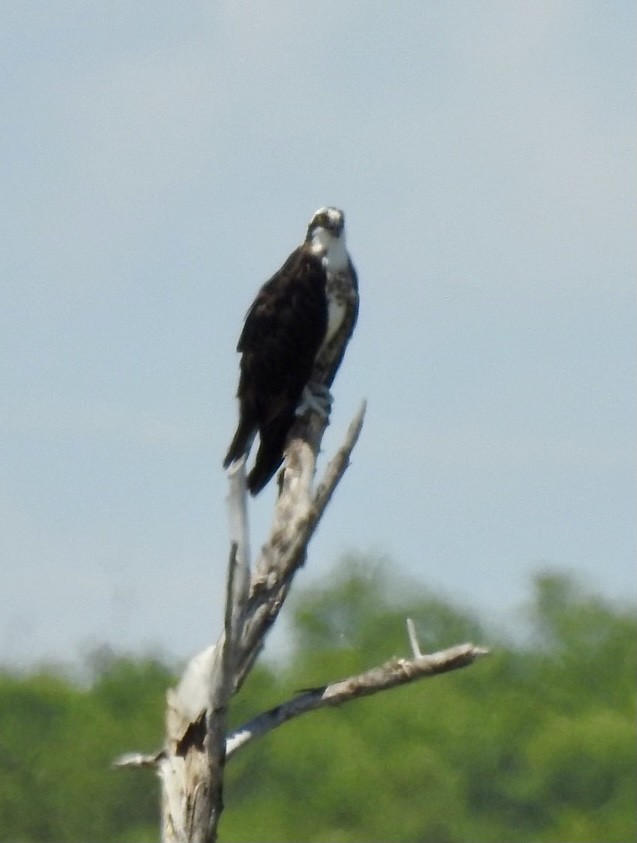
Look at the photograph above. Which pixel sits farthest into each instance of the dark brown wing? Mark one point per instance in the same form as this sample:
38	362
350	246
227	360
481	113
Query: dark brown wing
282	334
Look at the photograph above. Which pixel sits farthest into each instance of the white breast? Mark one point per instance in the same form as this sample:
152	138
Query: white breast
335	260
335	313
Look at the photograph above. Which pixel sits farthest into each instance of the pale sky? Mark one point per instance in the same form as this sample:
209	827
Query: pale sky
160	162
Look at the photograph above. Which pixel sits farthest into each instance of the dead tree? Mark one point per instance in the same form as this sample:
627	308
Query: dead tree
191	764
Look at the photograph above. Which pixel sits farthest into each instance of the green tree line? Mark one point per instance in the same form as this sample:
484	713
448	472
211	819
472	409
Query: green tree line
535	742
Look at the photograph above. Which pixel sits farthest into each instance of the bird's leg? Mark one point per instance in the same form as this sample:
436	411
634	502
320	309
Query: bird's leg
317	398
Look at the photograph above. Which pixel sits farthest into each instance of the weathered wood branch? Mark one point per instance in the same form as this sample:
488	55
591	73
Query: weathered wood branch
389	675
191	764
297	515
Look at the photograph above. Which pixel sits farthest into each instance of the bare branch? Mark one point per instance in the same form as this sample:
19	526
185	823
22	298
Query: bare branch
138	759
389	675
192	763
295	521
340	462
413	639
237	501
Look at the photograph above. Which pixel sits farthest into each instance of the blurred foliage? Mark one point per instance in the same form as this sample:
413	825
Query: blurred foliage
533	743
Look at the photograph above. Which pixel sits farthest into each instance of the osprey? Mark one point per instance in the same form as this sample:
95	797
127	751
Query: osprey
298	326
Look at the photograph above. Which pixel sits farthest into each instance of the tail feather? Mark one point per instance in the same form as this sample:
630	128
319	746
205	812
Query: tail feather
270	454
241	442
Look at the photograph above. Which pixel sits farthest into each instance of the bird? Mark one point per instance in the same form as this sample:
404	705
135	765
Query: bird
299	324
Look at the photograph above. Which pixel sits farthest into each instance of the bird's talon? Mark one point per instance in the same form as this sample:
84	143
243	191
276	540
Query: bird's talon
315	398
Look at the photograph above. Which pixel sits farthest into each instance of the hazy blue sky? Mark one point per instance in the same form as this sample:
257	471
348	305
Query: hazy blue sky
161	160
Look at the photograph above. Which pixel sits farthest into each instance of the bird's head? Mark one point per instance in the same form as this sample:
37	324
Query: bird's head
326	225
